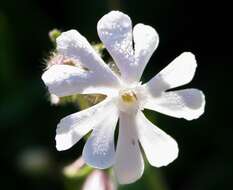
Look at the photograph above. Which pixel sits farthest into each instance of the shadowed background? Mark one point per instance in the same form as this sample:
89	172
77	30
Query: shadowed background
28	121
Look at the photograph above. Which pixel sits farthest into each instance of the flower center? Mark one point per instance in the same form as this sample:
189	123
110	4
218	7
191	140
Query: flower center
128	96
130	99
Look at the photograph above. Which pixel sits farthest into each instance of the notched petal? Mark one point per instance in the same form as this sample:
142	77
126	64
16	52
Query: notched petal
65	80
99	150
146	40
73	45
129	165
188	104
160	148
73	127
179	72
115	31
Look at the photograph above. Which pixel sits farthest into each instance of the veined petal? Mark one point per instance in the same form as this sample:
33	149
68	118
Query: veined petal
64	80
188	104
146	40
73	45
179	72
99	150
115	31
129	164
160	148
73	127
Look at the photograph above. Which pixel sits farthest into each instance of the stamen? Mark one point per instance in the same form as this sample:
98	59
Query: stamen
128	96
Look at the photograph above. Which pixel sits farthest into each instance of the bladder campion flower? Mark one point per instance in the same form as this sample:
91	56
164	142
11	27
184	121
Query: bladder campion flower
125	99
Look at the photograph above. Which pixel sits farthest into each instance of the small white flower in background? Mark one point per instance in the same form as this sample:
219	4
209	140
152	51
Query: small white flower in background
126	97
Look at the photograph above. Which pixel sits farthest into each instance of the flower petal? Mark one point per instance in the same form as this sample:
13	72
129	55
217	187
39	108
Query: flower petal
146	41
188	104
64	80
115	31
73	45
73	127
179	72
129	164
160	148
99	150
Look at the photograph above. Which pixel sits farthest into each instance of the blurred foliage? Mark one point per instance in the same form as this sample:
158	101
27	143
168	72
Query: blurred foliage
28	121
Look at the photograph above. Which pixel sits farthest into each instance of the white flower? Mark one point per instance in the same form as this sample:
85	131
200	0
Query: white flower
126	97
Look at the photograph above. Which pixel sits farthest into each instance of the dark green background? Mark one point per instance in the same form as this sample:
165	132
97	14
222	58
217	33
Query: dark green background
28	122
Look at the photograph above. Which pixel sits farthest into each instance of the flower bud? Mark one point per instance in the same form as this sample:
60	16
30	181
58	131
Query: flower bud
54	99
53	34
78	169
58	59
74	168
100	180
